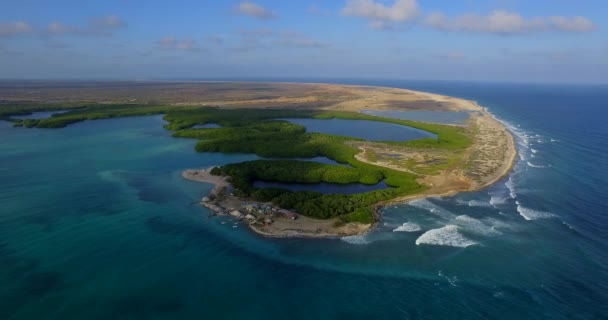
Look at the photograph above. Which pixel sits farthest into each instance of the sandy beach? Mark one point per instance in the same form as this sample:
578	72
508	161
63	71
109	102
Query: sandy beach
204	175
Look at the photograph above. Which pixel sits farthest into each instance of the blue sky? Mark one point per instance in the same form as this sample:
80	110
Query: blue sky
477	40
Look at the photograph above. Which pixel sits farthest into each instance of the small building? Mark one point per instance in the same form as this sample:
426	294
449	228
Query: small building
251	207
236	213
288	214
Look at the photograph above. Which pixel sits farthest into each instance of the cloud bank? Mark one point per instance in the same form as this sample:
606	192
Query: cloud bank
380	15
171	43
255	11
390	16
102	26
507	23
11	29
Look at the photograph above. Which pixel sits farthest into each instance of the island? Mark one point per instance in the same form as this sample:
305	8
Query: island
279	194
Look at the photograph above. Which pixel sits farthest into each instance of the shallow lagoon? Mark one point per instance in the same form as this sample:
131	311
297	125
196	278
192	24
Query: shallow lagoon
363	129
443	117
39	115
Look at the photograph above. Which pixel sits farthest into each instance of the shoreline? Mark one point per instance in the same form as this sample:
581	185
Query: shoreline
449	183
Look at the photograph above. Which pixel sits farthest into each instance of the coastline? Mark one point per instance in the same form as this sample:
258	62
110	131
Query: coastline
448	183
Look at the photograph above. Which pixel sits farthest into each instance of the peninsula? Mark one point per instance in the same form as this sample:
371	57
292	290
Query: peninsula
252	117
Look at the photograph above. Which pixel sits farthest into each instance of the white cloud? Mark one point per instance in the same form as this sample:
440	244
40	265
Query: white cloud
101	26
575	24
506	23
255	10
11	29
108	22
381	15
167	42
171	43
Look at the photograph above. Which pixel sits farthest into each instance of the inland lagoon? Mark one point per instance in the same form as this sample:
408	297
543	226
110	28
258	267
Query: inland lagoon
363	129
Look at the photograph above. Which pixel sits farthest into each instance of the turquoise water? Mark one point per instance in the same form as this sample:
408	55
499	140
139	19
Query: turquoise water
364	129
96	223
445	117
351	188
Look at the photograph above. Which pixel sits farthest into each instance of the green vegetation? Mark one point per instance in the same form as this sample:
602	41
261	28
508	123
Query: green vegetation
314	204
257	131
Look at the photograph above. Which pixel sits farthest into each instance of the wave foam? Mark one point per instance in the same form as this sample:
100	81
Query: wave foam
477	203
445	236
475	225
531	214
511	186
534	150
407	227
534	165
473	203
358	239
496	200
453	280
431	207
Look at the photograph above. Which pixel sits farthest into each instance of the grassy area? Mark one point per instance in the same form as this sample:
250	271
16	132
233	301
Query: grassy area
257	131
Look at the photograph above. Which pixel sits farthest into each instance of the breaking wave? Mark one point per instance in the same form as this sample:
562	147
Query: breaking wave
475	226
511	186
496	200
432	208
407	227
477	203
534	165
473	203
357	239
531	214
445	236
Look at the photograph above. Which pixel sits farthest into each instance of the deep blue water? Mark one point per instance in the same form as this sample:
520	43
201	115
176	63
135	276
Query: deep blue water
364	129
351	188
96	223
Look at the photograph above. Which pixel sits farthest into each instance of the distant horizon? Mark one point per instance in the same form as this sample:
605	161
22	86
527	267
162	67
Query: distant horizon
475	40
299	80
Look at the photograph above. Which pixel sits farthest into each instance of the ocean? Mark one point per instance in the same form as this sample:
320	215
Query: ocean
97	223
